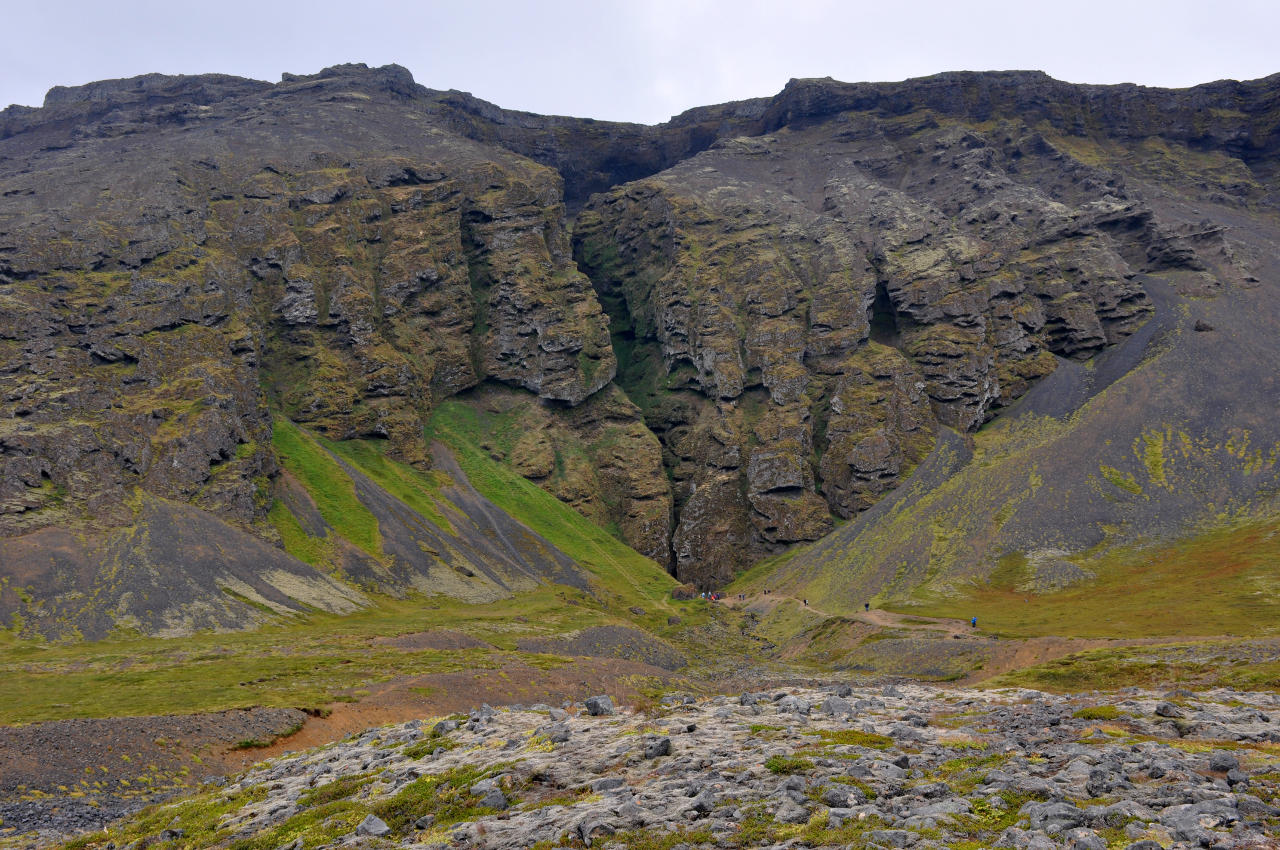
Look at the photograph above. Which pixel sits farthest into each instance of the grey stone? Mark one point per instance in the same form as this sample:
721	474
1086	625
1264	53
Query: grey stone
374	826
704	802
835	798
495	799
599	706
892	837
836	706
791	812
1223	761
609	783
657	747
594	825
1062	815
1081	838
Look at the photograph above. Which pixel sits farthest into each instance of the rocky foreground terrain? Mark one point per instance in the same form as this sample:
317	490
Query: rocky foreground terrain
831	766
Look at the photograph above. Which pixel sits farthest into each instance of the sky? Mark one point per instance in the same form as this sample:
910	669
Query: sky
636	60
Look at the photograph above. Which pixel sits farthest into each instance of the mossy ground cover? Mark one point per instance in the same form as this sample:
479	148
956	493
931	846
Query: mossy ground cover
305	664
418	490
1223	582
1193	666
330	812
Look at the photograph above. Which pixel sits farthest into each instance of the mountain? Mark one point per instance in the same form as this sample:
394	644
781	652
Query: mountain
274	348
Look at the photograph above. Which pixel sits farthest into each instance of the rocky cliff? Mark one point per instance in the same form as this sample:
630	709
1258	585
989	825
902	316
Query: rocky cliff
179	257
717	337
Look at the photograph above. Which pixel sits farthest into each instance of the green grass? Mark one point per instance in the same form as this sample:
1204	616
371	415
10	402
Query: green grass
788	619
1162	667
330	487
316	827
1097	712
787	764
652	839
418	490
621	573
966	773
299	544
852	738
1223	582
987	821
318	659
758	728
758	828
339	789
314	659
444	795
197	816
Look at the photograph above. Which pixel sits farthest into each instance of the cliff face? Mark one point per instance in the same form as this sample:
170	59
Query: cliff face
796	295
809	305
173	269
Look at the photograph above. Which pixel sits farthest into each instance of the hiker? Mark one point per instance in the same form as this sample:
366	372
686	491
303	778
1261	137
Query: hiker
866	606
974	622
806	602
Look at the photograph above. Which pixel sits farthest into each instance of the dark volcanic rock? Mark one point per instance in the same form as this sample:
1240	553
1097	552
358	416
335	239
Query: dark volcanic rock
795	294
874	278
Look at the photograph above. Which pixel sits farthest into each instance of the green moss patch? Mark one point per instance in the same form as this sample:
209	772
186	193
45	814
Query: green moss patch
330	487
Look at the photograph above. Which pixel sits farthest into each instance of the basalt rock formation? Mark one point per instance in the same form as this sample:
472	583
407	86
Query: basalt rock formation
719	337
178	258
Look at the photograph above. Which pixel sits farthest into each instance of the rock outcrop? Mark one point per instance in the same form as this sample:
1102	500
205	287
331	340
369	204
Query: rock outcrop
807	307
793	293
836	766
177	257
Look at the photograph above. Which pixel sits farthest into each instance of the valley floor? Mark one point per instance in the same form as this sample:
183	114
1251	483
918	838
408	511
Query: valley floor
60	777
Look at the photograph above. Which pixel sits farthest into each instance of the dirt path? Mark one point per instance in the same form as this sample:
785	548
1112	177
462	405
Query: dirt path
875	616
1006	655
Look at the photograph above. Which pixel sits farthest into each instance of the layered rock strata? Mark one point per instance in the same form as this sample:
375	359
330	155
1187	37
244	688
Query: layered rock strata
802	310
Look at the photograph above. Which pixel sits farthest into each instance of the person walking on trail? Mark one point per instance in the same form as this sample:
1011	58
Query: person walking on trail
974	622
866	606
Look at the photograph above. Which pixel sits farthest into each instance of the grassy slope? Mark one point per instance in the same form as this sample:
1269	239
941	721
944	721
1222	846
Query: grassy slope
624	576
313	660
1197	666
1224	582
330	488
304	664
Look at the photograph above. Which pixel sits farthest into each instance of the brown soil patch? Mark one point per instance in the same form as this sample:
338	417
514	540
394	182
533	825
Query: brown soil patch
440	694
183	750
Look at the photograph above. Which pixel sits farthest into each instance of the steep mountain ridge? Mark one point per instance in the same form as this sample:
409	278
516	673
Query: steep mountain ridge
796	293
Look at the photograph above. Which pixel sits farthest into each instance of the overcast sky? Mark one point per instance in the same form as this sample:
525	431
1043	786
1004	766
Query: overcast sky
636	60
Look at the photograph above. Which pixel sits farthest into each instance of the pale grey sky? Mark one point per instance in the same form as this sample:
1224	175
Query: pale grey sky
636	60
